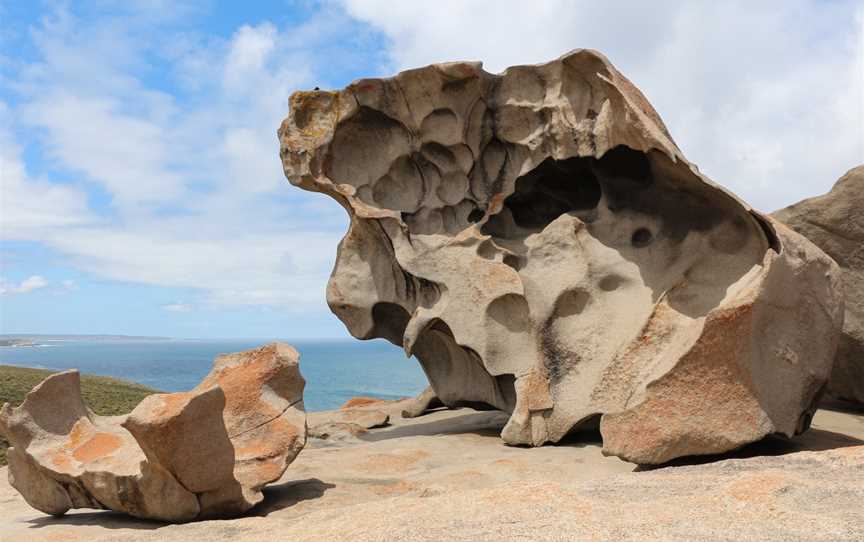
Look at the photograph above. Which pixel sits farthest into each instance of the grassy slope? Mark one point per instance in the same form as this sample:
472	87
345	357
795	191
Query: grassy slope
106	396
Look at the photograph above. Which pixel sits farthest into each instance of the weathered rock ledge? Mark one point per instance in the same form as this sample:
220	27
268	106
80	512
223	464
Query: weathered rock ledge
447	475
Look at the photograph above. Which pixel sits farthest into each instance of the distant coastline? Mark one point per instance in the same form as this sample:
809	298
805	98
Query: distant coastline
17	340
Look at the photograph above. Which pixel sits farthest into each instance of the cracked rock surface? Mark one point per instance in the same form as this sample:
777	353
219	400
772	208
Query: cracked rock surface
835	223
177	457
541	245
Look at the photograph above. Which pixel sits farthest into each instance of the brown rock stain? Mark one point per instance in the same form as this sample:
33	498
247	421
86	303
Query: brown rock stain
399	488
758	488
395	462
361	402
707	384
61	537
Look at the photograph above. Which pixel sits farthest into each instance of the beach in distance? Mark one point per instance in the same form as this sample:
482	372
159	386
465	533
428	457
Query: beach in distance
334	370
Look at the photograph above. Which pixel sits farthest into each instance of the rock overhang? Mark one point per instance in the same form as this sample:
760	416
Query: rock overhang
540	243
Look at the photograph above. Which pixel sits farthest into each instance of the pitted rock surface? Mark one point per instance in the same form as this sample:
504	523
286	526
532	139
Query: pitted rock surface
177	457
542	246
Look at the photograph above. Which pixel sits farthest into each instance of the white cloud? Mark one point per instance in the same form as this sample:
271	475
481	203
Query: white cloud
28	285
160	162
766	97
248	55
31	283
30	207
177	307
129	156
191	192
68	285
241	271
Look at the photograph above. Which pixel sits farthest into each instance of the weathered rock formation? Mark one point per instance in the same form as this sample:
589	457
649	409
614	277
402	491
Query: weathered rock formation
421	404
538	241
446	477
835	223
176	457
354	418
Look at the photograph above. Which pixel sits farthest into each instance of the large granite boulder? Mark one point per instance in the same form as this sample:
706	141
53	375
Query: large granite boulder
835	223
541	245
176	457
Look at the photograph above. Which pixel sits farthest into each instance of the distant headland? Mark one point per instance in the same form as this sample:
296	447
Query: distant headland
35	339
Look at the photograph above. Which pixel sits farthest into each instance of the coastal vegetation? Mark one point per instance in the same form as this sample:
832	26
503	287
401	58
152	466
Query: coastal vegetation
105	396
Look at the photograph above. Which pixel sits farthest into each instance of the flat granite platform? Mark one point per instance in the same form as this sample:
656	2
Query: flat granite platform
448	476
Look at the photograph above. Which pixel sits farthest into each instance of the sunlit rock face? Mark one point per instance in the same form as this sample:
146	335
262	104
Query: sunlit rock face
835	223
177	457
542	246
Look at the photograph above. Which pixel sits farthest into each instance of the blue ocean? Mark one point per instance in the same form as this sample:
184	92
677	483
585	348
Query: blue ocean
334	371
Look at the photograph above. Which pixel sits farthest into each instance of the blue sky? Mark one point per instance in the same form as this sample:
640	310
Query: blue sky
141	187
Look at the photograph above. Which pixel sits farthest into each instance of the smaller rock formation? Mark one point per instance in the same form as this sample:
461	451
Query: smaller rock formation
362	401
177	457
835	223
354	418
426	401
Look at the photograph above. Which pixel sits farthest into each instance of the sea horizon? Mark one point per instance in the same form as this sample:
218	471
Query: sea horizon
113	336
335	369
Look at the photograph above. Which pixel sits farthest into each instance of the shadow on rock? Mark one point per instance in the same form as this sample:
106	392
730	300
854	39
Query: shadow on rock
105	519
582	438
285	495
487	423
838	405
814	440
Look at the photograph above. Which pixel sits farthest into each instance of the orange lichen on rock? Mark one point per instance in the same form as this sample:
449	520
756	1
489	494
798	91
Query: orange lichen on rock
355	402
758	487
98	446
176	457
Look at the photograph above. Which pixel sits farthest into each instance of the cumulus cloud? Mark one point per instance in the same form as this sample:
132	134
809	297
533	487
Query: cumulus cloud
766	97
181	188
28	285
129	156
30	207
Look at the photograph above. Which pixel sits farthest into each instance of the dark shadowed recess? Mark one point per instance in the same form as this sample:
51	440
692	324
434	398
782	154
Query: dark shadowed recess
643	205
552	189
455	370
624	180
